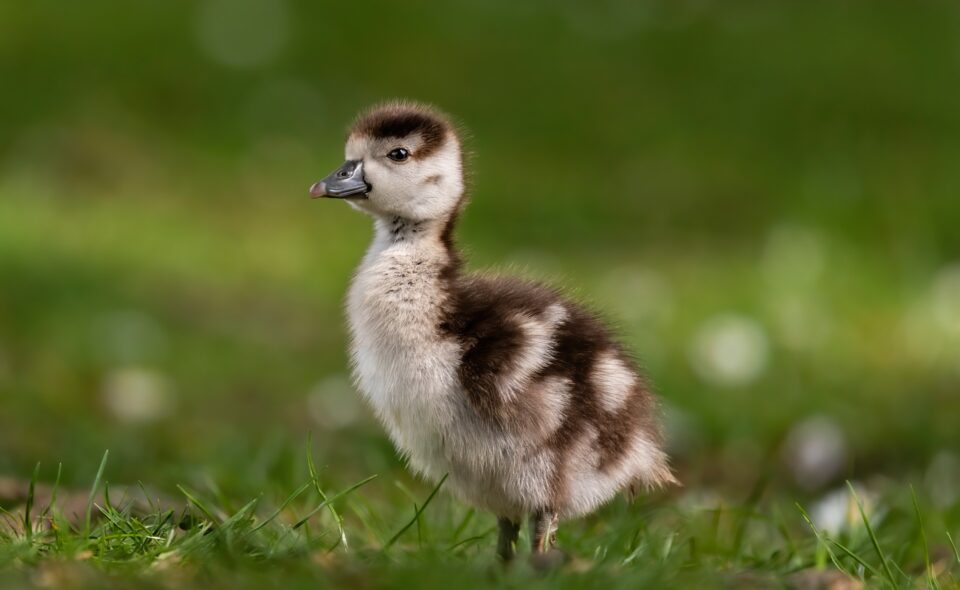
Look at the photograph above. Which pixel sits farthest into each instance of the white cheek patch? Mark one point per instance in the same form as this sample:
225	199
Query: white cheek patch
613	380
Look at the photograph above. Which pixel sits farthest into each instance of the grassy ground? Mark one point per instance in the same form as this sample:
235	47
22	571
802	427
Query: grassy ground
396	537
762	197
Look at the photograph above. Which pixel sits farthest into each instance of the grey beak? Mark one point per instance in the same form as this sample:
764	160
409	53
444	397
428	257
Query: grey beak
345	181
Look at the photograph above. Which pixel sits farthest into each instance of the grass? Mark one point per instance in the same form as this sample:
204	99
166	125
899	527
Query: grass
209	538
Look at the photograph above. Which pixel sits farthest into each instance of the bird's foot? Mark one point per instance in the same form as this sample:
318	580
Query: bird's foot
550	559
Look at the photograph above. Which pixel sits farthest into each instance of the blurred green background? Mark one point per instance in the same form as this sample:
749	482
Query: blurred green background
764	196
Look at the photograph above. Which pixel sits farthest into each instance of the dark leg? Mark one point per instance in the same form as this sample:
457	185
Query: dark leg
507	541
543	537
543	530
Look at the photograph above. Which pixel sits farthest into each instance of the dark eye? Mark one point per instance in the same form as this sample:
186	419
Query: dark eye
399	154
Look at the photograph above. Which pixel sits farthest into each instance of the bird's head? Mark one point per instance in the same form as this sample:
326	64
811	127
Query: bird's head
402	159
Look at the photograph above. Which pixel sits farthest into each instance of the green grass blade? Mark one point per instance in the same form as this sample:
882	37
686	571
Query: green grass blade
146	496
363	513
782	528
822	539
155	532
750	506
333	498
416	510
465	542
115	518
52	512
94	489
849	553
283	505
53	492
9	530
463	525
315	477
956	552
873	537
192	498
471	540
240	515
27	520
106	495
416	516
931	577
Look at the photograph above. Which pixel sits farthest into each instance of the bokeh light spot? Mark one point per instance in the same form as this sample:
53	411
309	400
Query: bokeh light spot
815	451
730	351
137	395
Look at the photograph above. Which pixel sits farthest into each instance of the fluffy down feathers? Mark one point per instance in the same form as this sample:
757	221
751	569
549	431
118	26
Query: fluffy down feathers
522	396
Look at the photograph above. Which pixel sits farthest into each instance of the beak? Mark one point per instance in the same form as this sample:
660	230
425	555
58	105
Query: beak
345	181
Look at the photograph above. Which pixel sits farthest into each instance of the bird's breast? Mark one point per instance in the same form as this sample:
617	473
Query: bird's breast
405	367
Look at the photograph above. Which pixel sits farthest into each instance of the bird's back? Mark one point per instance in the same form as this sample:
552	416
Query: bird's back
543	368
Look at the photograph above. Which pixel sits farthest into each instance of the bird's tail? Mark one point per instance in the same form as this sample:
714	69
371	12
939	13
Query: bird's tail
660	476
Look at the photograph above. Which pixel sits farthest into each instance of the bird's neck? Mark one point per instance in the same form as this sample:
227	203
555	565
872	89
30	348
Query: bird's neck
395	230
429	235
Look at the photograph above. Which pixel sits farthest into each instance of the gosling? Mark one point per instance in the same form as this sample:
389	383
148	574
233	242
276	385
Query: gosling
520	396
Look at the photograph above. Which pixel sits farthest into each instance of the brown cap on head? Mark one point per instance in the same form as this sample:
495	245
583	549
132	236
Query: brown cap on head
400	119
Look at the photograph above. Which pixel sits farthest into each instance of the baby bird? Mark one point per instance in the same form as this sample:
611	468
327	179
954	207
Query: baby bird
520	396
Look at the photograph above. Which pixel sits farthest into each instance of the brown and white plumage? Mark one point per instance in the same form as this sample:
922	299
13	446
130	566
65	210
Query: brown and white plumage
520	395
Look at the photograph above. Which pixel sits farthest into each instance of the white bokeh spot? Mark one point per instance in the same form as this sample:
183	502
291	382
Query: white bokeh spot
137	395
816	451
730	350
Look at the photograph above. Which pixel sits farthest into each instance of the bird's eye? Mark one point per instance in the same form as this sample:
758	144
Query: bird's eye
399	154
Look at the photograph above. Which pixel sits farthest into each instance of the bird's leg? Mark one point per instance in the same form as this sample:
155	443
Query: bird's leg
543	537
543	530
507	541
